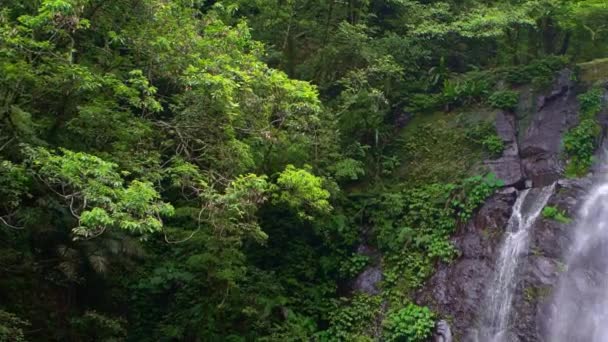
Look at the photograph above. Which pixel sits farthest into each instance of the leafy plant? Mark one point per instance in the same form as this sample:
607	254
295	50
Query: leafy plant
539	70
553	213
352	266
590	102
485	135
303	191
504	99
94	326
11	327
494	145
412	323
352	319
464	92
581	141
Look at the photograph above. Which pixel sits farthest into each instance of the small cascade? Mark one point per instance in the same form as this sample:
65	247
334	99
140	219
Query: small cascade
496	312
580	305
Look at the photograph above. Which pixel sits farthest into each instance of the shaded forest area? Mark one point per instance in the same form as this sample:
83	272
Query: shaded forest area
195	170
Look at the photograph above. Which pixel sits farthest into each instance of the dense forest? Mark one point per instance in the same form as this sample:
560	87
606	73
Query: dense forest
201	170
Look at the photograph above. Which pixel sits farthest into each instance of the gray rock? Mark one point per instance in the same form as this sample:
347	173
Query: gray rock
443	333
368	280
508	166
541	144
458	289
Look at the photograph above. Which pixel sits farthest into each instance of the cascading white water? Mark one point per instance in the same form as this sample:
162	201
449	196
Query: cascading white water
496	314
580	306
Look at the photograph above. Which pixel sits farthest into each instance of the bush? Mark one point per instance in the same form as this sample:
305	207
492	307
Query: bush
553	213
93	326
352	266
590	103
581	141
580	144
494	145
464	92
351	319
484	134
412	323
11	327
424	103
540	71
504	99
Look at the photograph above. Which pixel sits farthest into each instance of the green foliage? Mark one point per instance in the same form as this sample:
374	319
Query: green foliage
590	103
473	192
484	134
348	169
95	194
153	151
464	92
436	152
11	327
93	326
14	183
352	266
505	99
553	213
579	145
581	141
412	323
414	227
539	71
352	319
303	191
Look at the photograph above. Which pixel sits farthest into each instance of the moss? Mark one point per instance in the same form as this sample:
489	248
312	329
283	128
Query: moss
435	147
534	294
593	72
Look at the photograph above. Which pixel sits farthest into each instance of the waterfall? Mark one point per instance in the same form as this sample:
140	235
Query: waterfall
496	311
580	305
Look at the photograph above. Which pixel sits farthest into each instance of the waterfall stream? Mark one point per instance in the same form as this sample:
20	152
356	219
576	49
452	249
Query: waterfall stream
580	306
496	311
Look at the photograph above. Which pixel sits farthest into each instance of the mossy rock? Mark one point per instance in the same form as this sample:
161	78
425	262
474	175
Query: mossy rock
593	72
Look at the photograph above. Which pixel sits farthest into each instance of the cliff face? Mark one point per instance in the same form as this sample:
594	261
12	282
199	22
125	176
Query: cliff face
532	158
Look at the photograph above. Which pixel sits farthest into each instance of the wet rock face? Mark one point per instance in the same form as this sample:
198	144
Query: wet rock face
457	290
535	154
532	157
540	146
367	281
508	166
545	263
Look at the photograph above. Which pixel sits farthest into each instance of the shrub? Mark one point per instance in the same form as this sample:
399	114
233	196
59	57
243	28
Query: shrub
590	102
464	92
581	141
540	70
352	266
484	134
412	323
11	327
504	99
351	319
579	145
424	103
494	145
553	213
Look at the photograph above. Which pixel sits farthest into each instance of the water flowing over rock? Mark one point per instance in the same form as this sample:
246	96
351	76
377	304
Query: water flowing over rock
443	333
579	312
495	320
